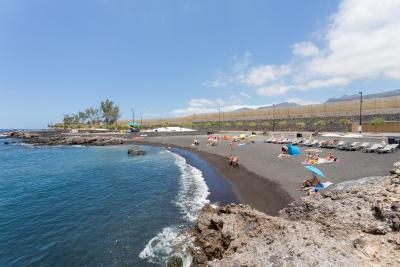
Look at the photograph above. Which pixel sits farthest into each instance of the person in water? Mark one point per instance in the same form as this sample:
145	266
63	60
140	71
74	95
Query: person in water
233	160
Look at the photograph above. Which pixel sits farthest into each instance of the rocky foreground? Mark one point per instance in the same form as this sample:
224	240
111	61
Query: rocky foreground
355	223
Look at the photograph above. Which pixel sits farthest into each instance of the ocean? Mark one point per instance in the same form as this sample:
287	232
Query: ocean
96	206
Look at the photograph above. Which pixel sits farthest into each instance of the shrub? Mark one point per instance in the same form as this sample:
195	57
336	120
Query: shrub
283	124
252	124
301	124
239	124
320	123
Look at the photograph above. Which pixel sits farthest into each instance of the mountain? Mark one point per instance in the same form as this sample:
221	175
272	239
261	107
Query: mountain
357	96
243	109
281	105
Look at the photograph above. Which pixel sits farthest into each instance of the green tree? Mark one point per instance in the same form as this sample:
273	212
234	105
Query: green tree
111	112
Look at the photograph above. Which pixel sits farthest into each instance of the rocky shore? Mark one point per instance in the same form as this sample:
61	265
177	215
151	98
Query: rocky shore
355	223
59	139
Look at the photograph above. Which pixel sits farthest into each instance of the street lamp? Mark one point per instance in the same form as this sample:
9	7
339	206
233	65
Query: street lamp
360	124
219	119
273	117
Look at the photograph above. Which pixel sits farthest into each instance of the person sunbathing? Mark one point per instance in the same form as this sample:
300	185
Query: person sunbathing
308	159
312	182
330	156
315	159
284	152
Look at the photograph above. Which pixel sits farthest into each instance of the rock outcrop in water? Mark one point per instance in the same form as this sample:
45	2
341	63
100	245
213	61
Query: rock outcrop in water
354	223
136	151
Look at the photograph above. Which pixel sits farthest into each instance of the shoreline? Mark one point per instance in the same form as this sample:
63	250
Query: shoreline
252	189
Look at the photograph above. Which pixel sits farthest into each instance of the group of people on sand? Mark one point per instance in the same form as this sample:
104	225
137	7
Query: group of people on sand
313	159
233	160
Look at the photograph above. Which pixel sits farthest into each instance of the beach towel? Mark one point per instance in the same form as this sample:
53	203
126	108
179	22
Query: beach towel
320	186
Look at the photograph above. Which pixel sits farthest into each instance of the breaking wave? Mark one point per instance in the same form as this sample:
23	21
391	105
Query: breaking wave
191	198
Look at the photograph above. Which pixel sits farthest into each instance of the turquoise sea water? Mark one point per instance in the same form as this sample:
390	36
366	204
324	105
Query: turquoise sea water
95	206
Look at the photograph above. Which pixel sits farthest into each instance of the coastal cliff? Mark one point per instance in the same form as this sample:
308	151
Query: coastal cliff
353	223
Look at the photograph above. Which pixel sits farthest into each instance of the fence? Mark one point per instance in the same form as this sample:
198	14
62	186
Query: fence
385	105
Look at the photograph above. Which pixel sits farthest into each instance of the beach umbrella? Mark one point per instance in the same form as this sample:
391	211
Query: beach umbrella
315	170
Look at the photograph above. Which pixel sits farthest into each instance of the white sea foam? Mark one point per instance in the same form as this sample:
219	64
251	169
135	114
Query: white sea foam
165	244
191	198
193	191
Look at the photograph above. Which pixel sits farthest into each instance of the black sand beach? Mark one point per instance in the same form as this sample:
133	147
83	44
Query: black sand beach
268	183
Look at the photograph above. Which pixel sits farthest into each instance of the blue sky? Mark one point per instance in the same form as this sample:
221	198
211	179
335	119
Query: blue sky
172	58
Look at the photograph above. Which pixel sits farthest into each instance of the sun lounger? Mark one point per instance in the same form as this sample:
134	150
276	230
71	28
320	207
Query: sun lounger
351	146
313	143
359	146
341	145
372	148
387	149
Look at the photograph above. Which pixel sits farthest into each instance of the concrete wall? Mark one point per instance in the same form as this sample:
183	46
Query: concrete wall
387	127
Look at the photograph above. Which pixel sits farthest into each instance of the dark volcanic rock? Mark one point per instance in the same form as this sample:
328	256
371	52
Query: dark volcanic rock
135	151
355	223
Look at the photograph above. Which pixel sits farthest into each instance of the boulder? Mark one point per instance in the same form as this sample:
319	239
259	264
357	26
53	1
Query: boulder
135	151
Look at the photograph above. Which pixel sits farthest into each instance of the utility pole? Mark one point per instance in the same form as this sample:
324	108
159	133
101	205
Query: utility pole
273	117
133	115
219	119
360	124
141	120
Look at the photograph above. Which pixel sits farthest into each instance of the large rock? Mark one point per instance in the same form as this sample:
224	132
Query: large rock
136	151
353	225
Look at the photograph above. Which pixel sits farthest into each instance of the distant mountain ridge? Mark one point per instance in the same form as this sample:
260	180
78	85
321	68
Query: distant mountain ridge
357	96
330	100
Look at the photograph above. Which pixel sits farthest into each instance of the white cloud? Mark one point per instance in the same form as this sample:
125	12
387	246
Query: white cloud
306	49
201	102
228	108
259	75
300	101
362	42
336	81
241	62
243	94
273	90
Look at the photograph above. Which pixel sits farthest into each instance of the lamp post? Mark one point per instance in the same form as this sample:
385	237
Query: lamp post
360	124
273	117
133	115
219	119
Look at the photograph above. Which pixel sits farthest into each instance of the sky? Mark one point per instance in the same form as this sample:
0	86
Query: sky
175	58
